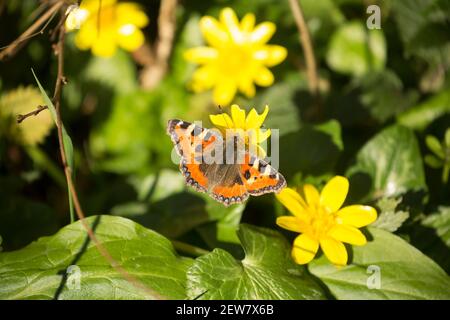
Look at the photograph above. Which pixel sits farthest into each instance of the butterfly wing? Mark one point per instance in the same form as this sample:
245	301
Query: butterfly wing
190	140
226	183
259	177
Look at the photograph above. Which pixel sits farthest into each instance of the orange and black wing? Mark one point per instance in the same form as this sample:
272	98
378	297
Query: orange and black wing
259	177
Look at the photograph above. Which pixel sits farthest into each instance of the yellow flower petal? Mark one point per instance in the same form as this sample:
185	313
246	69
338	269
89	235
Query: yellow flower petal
213	32
203	78
292	223
105	45
262	33
231	23
334	193
95	5
334	250
270	55
131	13
264	77
130	38
311	195
201	55
304	249
347	234
254	120
292	201
238	116
262	135
247	87
224	92
248	22
85	38
357	215
222	120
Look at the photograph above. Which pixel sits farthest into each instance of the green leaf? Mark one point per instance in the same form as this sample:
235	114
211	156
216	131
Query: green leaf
447	138
166	205
333	129
284	113
266	272
133	138
420	116
403	272
421	25
433	161
355	50
67	141
389	219
312	150
388	165
36	272
435	145
117	72
441	223
384	96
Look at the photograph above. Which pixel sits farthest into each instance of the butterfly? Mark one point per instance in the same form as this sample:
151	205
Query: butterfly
227	183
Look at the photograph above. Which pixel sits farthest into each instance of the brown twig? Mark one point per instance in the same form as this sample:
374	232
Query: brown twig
21	117
60	81
305	40
156	59
31	30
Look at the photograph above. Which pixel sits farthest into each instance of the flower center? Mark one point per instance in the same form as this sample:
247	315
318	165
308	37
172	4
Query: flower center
321	221
234	60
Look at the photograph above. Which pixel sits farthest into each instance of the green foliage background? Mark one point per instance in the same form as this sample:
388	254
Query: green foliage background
382	93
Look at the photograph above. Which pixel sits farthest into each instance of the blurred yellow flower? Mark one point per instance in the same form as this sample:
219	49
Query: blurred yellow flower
237	56
320	220
105	25
249	126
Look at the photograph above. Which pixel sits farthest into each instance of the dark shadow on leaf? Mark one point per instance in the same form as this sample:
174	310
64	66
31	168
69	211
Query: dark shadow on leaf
360	186
426	240
77	257
174	215
307	150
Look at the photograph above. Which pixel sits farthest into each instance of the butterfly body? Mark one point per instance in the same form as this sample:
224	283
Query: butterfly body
223	169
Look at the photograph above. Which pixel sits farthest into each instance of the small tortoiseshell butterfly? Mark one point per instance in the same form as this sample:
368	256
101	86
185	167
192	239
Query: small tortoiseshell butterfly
226	183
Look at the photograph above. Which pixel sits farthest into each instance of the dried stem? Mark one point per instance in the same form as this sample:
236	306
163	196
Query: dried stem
31	31
60	81
305	40
21	117
156	60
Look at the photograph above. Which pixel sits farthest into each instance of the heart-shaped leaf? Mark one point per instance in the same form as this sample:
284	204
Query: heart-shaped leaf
386	268
266	272
68	266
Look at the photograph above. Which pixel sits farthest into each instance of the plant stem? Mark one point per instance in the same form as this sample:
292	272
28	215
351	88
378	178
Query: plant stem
305	40
189	249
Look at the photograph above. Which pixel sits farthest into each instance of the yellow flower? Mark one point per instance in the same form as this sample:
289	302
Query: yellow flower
105	25
237	56
249	126
321	221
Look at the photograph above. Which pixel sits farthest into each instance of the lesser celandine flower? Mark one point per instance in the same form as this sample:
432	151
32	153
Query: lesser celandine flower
248	125
105	25
236	58
321	221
